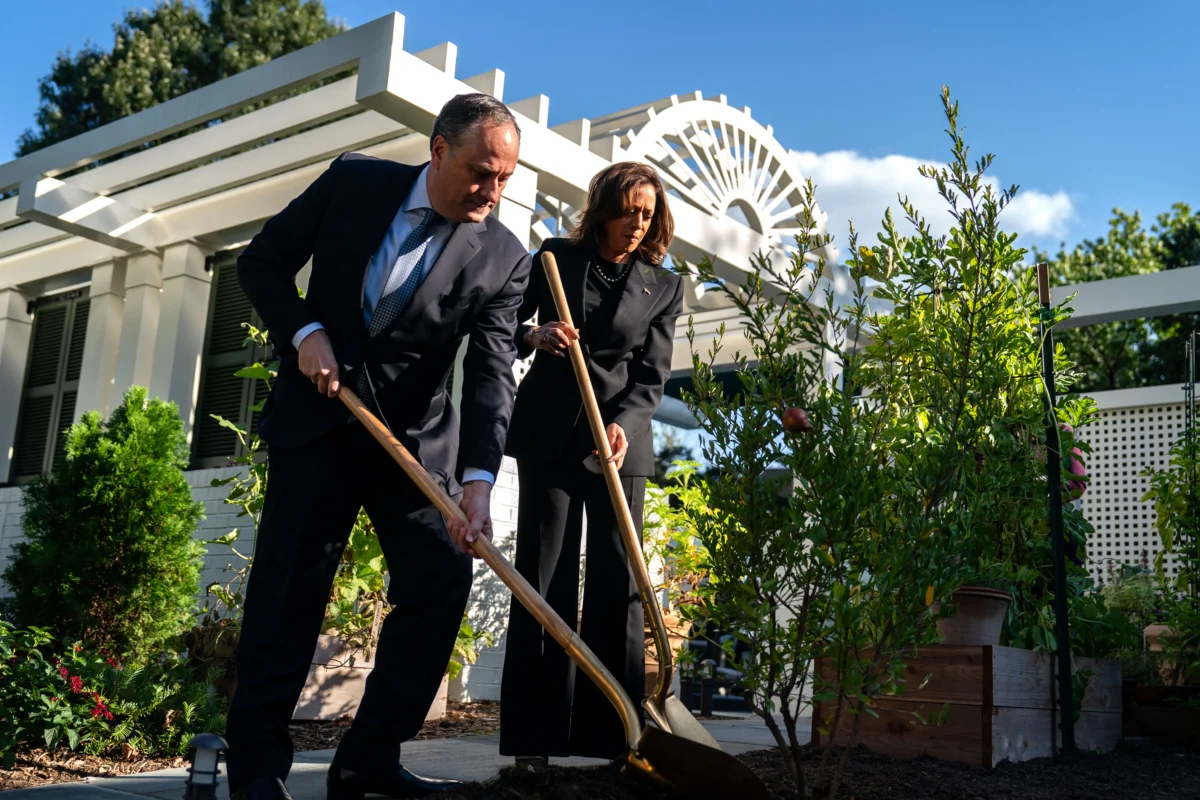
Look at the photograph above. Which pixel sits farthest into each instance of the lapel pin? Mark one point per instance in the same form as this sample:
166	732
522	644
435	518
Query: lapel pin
645	290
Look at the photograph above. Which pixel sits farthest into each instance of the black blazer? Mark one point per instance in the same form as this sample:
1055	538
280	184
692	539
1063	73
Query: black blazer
474	289
628	373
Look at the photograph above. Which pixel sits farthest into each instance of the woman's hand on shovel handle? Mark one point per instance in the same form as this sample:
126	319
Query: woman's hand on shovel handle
553	337
618	443
477	505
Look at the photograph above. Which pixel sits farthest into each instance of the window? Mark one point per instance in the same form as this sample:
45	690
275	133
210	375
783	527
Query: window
222	392
51	383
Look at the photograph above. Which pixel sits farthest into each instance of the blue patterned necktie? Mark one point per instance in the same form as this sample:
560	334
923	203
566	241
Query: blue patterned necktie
390	304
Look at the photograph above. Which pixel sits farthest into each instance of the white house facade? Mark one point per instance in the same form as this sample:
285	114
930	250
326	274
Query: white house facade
118	247
123	273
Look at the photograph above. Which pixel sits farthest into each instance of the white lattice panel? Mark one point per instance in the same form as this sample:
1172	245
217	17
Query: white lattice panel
1125	440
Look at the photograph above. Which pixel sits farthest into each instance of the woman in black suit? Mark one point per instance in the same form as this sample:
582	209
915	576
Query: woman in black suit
625	305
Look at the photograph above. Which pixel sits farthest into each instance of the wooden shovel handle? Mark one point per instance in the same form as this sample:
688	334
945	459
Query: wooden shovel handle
633	545
483	547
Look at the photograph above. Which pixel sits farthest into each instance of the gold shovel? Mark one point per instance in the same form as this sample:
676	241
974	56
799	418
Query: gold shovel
662	705
653	755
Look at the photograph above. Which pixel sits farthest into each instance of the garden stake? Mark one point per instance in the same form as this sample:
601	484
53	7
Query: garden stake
662	705
1062	630
652	755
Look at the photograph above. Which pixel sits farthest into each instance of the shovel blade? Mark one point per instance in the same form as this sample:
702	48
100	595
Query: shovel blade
695	769
673	716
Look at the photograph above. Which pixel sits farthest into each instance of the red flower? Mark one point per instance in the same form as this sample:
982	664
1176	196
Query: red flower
76	684
101	711
63	671
77	648
111	663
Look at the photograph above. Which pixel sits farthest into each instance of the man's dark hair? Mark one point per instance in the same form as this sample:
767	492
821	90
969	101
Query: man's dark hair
465	112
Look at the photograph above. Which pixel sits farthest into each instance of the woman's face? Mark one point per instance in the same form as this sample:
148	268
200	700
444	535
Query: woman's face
623	234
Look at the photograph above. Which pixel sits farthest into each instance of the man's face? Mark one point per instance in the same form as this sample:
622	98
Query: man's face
465	182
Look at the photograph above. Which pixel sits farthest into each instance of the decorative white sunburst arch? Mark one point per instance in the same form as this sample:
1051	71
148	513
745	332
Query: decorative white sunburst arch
712	156
722	161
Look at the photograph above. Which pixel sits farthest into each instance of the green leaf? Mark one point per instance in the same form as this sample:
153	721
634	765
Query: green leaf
224	423
254	371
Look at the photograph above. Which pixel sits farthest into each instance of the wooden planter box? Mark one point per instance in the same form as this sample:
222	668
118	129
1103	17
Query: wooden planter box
336	681
1001	707
1150	712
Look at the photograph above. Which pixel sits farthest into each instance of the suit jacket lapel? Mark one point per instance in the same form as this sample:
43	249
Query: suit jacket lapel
638	297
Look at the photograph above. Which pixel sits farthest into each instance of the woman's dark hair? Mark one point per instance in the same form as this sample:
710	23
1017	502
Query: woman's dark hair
611	196
464	113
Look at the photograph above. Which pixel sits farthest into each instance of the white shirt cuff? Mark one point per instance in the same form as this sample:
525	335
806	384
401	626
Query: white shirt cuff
303	333
472	474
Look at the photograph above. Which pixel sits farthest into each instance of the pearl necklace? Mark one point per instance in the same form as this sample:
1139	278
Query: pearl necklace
598	263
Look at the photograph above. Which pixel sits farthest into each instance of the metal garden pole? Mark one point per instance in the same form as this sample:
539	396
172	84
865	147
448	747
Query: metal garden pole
1062	630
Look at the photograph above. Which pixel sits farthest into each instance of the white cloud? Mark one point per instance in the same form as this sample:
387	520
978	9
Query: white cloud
854	187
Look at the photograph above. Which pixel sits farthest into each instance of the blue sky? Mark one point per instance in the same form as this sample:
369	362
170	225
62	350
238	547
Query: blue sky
1088	105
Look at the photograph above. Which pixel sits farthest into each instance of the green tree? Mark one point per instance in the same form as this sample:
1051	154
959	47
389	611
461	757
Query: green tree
1137	352
1179	246
163	52
109	556
1107	356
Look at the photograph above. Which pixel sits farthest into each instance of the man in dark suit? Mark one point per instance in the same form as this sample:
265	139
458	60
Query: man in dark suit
406	263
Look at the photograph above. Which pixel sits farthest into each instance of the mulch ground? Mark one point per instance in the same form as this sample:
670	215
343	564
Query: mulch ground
1152	773
37	767
1126	774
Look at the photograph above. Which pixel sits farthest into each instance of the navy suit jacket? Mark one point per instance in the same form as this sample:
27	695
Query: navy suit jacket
473	290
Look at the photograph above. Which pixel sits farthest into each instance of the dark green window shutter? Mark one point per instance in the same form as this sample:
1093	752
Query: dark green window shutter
222	392
30	455
51	384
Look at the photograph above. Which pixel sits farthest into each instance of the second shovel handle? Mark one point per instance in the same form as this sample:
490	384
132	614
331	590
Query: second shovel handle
616	491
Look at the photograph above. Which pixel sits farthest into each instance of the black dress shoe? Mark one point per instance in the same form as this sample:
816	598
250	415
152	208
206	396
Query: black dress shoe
349	783
261	789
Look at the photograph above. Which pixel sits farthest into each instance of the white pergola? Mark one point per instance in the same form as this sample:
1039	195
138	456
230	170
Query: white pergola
134	233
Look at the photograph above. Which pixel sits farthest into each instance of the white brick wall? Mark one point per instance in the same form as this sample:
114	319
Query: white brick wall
489	598
219	520
10	529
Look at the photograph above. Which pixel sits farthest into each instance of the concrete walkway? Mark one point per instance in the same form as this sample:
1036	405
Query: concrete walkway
467	758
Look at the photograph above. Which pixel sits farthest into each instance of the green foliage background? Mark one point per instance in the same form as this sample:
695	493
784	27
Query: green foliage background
109	556
163	52
1138	352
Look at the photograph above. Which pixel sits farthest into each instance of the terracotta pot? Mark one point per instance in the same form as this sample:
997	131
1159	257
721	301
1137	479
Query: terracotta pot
1154	636
978	619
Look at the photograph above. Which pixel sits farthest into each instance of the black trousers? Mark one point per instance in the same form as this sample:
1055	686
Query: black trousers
313	497
545	710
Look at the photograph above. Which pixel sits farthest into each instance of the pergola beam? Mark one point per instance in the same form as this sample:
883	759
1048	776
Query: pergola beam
1156	294
367	43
